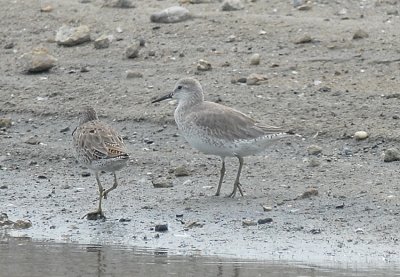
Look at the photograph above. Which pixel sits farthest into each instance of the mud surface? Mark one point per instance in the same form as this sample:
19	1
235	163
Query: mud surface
326	90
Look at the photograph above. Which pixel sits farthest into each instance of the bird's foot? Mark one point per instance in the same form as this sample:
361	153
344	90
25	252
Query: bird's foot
233	193
96	215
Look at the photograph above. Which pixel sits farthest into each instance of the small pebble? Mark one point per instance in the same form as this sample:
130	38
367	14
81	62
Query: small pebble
264	220
255	59
309	193
162	183
9	45
248	222
46	8
171	15
314	162
161	228
360	34
303	39
181	171
360	135
85	174
203	65
103	41
130	74
125	4
38	60
5	122
64	130
267	208
70	36
231	38
132	51
391	155
314	149
304	7
32	140
22	224
255	79
232	5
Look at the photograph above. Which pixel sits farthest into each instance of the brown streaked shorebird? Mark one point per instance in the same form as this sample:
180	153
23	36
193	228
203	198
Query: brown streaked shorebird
218	130
100	148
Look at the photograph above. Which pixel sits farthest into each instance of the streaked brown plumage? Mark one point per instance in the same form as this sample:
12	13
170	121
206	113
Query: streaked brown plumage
100	148
218	130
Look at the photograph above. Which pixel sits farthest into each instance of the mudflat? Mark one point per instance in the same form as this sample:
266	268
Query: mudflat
326	71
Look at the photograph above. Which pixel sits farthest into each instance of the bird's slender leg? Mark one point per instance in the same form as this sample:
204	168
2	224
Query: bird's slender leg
236	185
221	178
115	185
98	214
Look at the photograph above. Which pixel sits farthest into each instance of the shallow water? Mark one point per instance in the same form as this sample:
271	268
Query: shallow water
23	257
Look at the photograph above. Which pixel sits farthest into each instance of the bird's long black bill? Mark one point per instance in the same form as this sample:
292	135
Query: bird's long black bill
168	96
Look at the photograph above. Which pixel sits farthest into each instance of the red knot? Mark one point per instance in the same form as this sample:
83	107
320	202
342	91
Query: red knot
218	130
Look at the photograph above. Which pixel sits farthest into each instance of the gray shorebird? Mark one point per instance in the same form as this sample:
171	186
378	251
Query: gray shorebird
100	148
218	130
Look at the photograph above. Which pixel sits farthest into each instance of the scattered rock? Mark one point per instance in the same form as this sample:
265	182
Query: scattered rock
264	220
85	174
19	224
392	12
249	222
309	193
132	51
193	224
125	4
255	59
9	45
232	5
33	140
315	231
346	151
297	3
70	36
314	162
391	155
304	7
255	79
266	208
47	8
306	38
161	228
5	122
171	15
359	231
360	34
231	38
340	206
103	41
162	183
314	149
360	135
203	65
125	220
22	224
64	130
130	74
181	171
38	60
3	187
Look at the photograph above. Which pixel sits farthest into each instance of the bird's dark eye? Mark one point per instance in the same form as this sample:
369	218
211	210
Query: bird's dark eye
179	87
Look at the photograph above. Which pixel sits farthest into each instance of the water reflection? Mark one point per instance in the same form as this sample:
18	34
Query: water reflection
22	257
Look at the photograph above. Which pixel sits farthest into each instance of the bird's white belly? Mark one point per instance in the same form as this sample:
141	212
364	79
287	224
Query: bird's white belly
225	148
